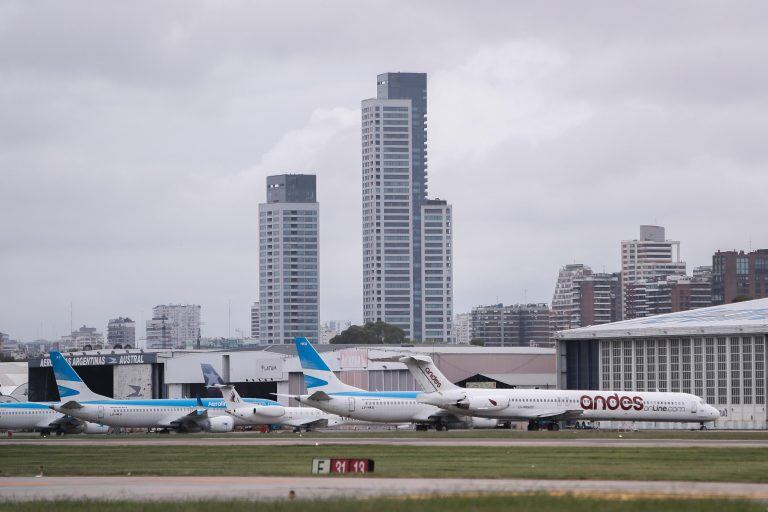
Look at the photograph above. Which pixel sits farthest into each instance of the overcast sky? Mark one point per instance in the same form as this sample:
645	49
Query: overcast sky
135	138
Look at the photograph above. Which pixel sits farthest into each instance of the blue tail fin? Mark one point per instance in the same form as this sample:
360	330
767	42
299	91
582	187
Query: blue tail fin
211	376
317	375
71	386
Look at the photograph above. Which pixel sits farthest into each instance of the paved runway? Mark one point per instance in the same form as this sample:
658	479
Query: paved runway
195	488
616	442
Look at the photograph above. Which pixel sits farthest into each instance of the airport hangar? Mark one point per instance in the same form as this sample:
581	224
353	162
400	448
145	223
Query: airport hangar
717	353
275	369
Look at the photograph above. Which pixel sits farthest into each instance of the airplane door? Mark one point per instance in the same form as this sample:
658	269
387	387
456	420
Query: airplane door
351	403
693	407
101	412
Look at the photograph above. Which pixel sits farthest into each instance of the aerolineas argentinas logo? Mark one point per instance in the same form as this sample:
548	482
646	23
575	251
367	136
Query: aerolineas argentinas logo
611	402
433	377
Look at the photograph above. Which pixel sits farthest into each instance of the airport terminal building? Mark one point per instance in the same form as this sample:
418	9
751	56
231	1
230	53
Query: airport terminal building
274	370
717	353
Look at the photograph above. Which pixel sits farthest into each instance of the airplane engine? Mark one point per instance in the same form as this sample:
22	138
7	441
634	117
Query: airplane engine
447	399
219	424
273	411
484	423
95	428
484	403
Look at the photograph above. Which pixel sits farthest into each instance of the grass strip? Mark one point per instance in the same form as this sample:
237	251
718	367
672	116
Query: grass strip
689	464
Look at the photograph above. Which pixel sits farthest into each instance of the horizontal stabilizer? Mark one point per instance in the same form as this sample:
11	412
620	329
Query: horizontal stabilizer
319	396
72	404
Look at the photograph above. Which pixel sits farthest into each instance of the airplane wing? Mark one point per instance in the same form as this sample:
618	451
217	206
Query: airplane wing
199	413
65	421
306	422
432	417
568	414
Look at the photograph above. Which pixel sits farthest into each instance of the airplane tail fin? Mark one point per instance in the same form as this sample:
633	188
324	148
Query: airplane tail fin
210	375
70	385
232	398
425	371
317	375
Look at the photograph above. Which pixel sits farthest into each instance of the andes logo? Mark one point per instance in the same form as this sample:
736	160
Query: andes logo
432	377
611	402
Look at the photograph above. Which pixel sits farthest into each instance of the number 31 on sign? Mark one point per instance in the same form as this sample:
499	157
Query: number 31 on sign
326	466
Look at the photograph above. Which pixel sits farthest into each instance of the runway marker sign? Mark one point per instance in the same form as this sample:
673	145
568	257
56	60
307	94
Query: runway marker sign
327	466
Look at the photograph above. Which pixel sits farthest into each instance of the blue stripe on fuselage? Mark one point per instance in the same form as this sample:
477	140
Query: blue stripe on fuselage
27	405
179	402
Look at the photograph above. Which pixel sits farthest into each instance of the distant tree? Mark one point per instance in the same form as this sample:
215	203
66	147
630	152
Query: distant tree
478	342
741	298
378	333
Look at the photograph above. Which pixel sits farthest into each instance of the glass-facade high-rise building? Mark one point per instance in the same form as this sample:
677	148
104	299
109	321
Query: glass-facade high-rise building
289	276
394	166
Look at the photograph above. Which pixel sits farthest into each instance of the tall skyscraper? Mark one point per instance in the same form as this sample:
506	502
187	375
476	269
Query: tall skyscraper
394	166
289	277
437	270
648	258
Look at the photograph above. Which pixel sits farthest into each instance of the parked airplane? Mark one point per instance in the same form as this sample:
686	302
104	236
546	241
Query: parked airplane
38	416
547	406
185	415
297	417
328	393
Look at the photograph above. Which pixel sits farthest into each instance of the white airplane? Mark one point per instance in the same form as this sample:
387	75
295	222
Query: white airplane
184	415
328	393
546	407
299	418
38	416
245	413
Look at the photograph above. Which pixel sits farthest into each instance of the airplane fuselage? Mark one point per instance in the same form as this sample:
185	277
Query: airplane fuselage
157	413
383	407
514	404
27	416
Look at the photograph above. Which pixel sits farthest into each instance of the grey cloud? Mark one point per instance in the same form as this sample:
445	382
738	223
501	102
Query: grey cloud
135	139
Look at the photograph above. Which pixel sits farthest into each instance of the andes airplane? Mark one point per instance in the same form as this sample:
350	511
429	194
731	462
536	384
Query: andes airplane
547	406
328	393
38	416
184	415
246	413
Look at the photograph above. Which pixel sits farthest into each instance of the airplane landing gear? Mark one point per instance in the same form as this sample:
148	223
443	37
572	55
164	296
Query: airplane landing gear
702	426
535	425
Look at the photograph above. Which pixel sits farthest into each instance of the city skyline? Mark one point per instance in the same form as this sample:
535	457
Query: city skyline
135	154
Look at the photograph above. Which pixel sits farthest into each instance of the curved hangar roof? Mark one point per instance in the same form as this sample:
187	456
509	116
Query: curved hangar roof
741	317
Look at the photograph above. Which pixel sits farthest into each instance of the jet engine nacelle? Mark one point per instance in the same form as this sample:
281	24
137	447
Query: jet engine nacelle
447	399
484	403
484	422
268	411
95	428
218	424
